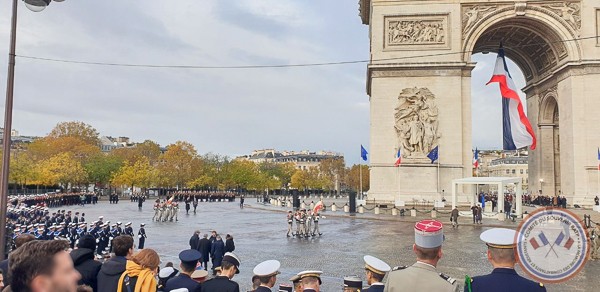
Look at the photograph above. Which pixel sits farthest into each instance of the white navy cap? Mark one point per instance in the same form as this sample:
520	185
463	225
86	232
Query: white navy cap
376	265
232	258
166	272
267	268
499	238
316	274
429	233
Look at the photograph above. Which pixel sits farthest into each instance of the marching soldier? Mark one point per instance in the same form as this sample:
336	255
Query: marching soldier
375	270
316	230
501	254
142	236
290	219
297	217
156	209
423	276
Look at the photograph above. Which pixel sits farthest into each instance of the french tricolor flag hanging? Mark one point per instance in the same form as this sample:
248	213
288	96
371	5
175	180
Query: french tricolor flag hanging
398	159
517	129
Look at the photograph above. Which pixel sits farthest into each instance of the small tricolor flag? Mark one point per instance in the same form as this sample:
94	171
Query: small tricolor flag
518	132
476	159
398	159
541	238
566	244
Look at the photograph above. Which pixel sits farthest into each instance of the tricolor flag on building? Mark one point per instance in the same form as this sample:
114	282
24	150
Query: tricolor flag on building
476	159
539	241
599	159
517	129
398	159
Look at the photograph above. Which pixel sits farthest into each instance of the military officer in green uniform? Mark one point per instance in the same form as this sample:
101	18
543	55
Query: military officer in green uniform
423	275
501	254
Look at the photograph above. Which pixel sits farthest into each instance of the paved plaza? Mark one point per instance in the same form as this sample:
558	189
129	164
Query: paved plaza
259	234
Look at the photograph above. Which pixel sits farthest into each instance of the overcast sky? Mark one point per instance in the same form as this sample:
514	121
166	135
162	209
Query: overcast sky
230	112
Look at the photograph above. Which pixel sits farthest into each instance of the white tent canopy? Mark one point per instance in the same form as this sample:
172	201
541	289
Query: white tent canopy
498	181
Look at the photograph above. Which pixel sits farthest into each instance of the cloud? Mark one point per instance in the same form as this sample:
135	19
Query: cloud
223	111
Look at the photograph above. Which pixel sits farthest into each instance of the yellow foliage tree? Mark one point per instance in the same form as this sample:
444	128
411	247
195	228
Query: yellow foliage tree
140	174
62	169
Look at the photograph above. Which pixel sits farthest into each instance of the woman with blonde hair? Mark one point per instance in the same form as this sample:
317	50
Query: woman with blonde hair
139	272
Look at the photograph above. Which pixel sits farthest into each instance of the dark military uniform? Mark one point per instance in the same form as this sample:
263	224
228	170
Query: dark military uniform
182	281
221	284
375	288
501	280
262	289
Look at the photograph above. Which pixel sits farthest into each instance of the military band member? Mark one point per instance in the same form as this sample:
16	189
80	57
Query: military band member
352	284
290	220
142	236
375	270
423	276
267	272
501	254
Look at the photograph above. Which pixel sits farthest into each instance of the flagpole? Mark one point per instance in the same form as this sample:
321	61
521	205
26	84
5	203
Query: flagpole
360	174
438	174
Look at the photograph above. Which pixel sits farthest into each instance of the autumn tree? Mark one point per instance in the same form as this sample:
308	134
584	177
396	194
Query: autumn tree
332	172
353	177
44	148
101	168
62	169
75	129
23	170
140	174
175	168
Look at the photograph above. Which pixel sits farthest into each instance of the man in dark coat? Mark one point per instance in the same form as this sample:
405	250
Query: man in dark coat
194	240
189	259
111	270
83	260
229	244
204	249
230	266
217	252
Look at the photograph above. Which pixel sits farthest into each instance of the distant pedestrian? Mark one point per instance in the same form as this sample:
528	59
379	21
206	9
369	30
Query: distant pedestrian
195	240
454	217
204	249
229	244
217	252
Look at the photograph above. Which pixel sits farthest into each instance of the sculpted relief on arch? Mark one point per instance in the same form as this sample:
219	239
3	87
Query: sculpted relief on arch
416	123
568	12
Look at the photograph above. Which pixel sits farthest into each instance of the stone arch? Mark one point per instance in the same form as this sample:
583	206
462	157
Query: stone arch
536	41
549	109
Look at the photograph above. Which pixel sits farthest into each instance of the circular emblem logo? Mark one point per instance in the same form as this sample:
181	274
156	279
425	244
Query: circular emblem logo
552	245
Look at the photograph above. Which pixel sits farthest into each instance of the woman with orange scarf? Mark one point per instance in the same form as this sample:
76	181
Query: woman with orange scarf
139	272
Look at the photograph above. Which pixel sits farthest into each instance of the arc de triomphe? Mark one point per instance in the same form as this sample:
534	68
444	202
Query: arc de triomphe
419	83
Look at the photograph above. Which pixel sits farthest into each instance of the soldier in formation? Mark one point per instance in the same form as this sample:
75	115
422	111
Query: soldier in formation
307	223
62	225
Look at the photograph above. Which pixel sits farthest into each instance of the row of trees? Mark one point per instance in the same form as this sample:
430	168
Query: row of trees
70	157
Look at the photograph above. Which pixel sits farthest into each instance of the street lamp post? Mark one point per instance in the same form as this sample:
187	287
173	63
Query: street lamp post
35	6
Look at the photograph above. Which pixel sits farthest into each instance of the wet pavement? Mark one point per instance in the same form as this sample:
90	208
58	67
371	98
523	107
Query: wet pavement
259	234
